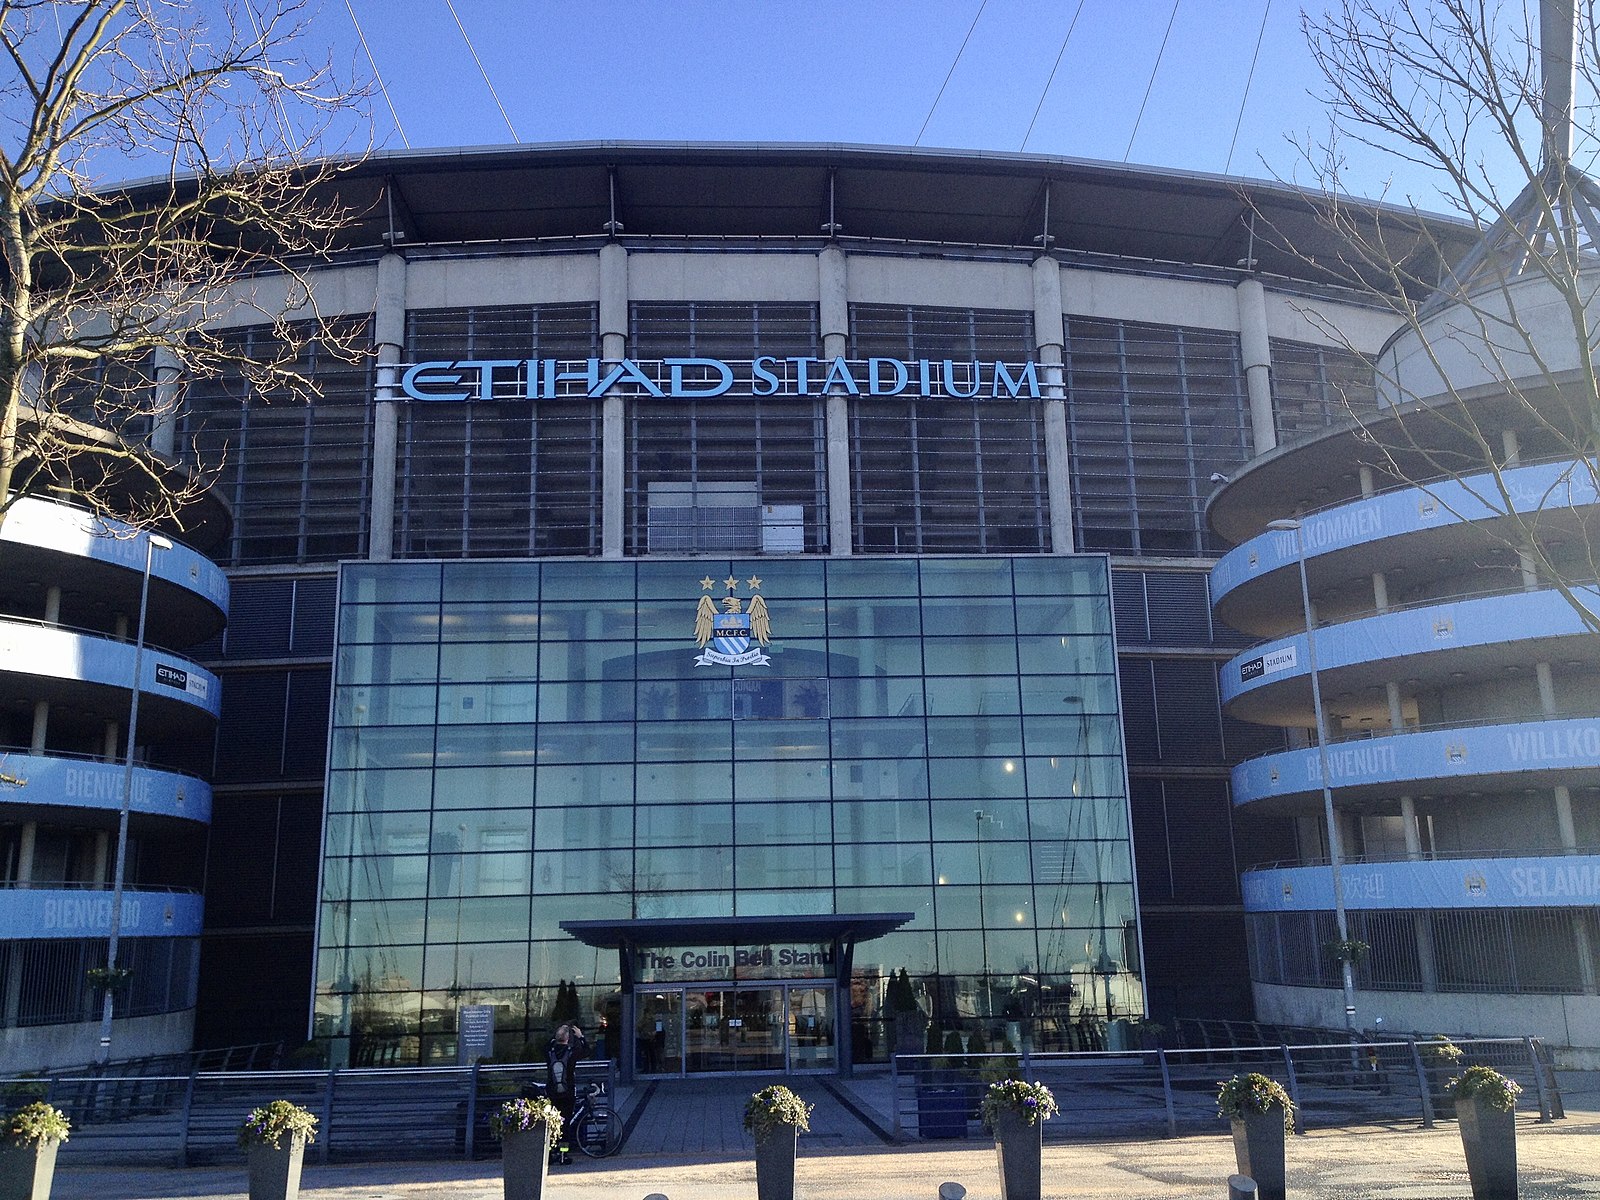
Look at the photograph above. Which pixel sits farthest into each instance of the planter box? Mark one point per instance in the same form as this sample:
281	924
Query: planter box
275	1172
775	1152
942	1111
1019	1149
1439	1093
525	1162
1489	1138
1258	1151
27	1170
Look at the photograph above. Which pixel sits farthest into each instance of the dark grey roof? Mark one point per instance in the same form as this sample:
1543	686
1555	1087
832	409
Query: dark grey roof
717	931
758	190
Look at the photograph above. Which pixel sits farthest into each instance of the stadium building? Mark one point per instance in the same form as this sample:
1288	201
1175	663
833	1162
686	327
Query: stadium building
739	574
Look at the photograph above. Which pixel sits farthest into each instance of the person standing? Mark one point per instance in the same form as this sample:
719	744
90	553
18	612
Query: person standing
562	1055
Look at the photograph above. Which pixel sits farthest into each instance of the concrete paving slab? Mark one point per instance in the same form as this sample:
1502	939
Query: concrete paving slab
1558	1162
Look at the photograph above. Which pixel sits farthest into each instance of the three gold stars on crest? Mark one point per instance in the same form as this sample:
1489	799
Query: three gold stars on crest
732	584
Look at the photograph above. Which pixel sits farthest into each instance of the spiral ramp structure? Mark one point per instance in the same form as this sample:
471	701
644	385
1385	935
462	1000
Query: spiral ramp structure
1454	612
70	587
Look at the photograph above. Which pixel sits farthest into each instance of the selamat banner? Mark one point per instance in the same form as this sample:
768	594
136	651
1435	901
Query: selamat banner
1564	881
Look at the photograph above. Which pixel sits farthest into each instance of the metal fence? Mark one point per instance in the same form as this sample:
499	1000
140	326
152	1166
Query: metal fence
1168	1092
419	1112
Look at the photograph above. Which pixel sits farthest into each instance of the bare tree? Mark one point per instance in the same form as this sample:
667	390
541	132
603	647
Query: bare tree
1494	367
111	295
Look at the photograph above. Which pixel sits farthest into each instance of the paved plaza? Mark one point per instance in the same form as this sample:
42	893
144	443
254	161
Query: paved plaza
686	1143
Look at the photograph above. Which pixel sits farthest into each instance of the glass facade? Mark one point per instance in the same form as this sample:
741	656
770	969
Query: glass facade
517	744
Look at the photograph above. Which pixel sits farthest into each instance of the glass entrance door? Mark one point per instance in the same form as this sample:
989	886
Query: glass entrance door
725	1029
734	1029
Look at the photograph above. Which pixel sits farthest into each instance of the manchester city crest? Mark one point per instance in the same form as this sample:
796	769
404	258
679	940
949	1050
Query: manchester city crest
725	636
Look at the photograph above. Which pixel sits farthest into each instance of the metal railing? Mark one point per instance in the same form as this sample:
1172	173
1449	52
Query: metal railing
187	1120
1168	1092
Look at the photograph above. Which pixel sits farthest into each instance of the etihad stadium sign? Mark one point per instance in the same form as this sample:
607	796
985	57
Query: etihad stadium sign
512	379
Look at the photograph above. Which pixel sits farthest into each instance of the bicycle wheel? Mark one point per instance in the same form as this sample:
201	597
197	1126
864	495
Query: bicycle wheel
599	1133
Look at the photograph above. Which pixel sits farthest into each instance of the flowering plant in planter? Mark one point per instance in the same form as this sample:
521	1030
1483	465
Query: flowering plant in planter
1440	1051
1253	1094
774	1106
1033	1102
109	979
270	1124
37	1124
1488	1087
522	1114
1351	950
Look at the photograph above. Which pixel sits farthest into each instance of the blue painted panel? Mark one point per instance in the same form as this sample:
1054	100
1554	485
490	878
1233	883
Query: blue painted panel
1567	744
53	653
84	913
67	530
1486	621
1561	881
1543	487
79	783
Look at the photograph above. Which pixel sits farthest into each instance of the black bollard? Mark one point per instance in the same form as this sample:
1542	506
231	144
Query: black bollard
952	1191
1241	1187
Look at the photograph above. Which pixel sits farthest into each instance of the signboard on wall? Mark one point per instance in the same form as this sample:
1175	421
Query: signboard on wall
488	379
474	1033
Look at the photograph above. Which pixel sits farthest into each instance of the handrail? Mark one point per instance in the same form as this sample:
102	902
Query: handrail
140	764
95	885
99	634
1431	856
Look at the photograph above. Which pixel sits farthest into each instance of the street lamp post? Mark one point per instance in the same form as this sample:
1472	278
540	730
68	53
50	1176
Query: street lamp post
1335	842
153	542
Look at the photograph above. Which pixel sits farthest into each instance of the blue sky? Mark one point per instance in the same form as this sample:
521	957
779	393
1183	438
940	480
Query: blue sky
865	72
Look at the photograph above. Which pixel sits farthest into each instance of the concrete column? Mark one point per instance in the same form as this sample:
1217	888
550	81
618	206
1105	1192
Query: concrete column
1049	330
833	303
1568	831
1408	807
1368	486
52	605
41	726
1397	716
102	855
1408	826
1513	448
1426	960
120	627
1380	591
26	842
1256	350
111	742
613	345
1586	969
164	427
1547	688
13	980
388	336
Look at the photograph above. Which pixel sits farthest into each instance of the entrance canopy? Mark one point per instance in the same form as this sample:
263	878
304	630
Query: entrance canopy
724	994
717	931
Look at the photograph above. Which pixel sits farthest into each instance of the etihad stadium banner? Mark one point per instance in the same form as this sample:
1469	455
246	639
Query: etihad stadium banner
525	379
1568	881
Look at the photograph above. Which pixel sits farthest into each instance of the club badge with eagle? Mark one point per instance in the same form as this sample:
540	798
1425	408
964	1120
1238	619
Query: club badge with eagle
725	636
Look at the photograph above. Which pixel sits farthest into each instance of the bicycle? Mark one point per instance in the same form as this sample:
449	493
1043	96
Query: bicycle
595	1127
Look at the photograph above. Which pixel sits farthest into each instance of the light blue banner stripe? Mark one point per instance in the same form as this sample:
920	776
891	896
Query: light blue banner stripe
81	783
1558	881
62	912
1484	621
1543	487
1425	756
